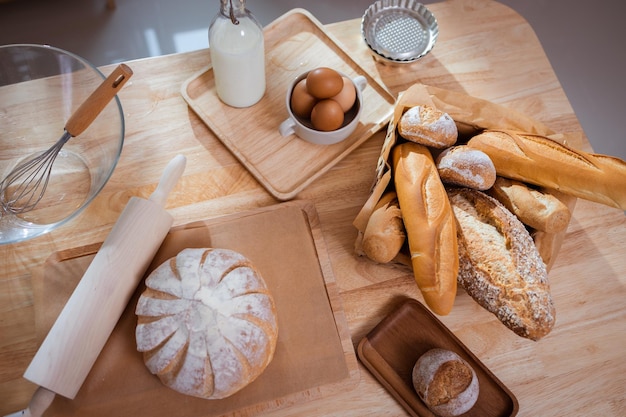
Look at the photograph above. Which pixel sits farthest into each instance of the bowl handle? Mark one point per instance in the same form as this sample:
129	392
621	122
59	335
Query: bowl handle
287	127
360	81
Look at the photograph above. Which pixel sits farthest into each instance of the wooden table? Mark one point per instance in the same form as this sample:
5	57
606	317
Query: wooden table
486	50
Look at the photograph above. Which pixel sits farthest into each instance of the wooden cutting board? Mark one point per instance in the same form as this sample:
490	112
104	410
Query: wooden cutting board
314	356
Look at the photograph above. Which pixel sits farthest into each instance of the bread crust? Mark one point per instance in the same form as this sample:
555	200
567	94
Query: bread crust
538	160
384	234
535	208
446	383
207	323
428	126
499	265
466	167
429	223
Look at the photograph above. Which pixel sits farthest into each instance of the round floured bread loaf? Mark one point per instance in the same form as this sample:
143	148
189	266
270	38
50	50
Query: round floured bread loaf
466	167
428	126
206	323
446	383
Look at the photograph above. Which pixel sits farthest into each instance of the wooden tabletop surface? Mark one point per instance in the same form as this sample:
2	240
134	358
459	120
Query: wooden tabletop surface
485	50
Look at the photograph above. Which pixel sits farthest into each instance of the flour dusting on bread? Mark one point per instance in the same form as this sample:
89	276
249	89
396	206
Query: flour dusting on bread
499	265
206	323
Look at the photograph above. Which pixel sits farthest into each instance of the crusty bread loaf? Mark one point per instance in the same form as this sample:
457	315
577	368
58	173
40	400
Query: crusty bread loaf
499	265
446	383
549	244
384	234
541	161
535	208
545	243
206	323
429	224
428	126
466	167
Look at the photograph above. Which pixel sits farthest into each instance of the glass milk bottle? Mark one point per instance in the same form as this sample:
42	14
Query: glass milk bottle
237	54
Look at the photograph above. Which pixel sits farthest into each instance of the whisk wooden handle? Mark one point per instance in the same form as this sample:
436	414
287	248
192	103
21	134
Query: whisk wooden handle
91	108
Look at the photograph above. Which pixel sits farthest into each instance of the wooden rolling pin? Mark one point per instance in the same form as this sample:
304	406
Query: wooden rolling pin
70	349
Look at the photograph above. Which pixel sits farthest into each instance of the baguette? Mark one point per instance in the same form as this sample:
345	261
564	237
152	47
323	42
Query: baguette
499	265
549	244
538	160
384	234
539	210
429	223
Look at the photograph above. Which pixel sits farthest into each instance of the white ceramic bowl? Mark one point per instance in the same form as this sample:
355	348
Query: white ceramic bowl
304	129
40	87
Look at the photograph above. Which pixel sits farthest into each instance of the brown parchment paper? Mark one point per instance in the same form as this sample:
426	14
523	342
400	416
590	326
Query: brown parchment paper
471	115
314	354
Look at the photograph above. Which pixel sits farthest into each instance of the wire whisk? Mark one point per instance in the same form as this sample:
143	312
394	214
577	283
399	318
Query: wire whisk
24	187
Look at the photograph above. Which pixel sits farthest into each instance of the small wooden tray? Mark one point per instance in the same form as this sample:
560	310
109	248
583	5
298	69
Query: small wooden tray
391	349
314	355
294	43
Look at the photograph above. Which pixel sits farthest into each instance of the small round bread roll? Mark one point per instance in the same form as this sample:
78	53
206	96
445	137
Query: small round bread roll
466	167
428	126
445	382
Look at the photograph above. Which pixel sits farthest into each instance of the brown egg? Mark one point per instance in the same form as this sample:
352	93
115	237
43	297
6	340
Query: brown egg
347	95
301	101
324	82
327	115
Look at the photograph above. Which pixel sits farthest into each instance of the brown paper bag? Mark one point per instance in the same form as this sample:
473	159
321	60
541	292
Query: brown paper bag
472	115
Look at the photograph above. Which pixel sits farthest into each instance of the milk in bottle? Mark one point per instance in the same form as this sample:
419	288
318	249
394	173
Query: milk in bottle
237	55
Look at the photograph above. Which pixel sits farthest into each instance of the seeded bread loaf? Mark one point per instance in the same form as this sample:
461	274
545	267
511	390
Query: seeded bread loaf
499	265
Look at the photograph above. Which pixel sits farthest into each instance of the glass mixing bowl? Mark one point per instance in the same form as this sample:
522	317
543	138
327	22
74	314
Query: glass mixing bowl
40	87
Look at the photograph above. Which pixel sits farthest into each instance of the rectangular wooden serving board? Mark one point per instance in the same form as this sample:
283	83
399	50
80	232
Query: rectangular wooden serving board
314	356
391	349
294	43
